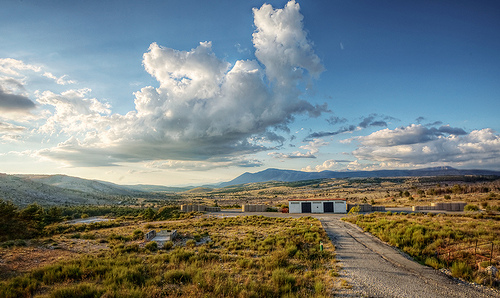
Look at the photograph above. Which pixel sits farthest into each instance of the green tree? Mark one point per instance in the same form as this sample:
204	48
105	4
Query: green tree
10	225
149	214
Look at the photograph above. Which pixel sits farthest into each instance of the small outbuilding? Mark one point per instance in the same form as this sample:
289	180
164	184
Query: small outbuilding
317	206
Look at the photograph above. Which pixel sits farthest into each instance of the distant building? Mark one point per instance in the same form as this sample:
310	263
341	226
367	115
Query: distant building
317	206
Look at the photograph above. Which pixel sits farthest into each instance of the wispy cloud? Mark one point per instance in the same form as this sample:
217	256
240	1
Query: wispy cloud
312	148
210	164
62	80
373	120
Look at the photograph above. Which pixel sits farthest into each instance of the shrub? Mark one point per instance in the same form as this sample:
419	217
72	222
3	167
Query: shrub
284	280
432	262
168	245
138	234
88	236
191	243
461	270
177	277
151	246
354	210
197	237
21	286
470	207
82	290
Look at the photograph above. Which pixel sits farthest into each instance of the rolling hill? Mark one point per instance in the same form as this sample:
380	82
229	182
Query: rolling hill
57	190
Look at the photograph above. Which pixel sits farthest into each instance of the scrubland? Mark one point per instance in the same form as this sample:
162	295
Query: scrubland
215	257
483	192
43	256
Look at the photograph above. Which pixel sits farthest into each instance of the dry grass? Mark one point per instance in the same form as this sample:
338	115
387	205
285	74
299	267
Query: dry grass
230	257
456	242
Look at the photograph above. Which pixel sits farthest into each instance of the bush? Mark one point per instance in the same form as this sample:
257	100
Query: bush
81	290
177	277
191	243
168	245
461	270
433	262
138	234
284	280
152	246
470	207
354	210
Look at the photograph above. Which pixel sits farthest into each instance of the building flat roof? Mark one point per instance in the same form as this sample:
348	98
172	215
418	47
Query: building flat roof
317	199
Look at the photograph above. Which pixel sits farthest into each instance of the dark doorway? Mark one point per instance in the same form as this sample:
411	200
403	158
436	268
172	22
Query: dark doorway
306	207
328	207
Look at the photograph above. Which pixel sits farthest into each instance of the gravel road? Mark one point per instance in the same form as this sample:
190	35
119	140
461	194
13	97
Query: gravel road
374	269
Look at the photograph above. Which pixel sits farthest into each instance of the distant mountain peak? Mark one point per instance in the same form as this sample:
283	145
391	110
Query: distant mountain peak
272	174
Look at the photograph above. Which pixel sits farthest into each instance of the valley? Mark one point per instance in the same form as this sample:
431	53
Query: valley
46	253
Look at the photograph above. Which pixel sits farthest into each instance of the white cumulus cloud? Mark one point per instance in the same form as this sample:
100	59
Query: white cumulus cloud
203	108
417	145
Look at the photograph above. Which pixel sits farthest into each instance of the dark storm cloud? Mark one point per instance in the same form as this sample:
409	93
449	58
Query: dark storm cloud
14	103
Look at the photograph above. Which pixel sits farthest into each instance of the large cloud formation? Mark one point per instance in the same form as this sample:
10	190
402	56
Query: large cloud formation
416	145
203	108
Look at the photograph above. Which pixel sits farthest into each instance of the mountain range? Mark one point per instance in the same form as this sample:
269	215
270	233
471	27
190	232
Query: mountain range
57	190
292	176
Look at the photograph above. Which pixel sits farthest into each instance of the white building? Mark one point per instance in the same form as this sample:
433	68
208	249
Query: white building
317	206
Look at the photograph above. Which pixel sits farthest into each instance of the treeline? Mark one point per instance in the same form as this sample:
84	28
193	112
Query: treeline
31	221
461	189
25	223
75	212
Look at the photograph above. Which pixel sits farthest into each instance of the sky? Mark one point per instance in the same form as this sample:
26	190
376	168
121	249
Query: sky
196	92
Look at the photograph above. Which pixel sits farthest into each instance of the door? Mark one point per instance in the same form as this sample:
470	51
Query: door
328	207
306	207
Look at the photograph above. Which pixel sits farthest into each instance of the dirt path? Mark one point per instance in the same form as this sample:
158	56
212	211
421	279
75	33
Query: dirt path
374	269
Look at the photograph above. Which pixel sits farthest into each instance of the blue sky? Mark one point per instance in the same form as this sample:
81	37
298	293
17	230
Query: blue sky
193	92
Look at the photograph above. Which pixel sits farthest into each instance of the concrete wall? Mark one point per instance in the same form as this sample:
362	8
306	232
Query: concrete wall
200	208
254	208
294	207
451	206
366	207
150	235
340	207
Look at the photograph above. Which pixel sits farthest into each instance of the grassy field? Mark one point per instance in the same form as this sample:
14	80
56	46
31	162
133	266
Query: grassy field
251	256
465	244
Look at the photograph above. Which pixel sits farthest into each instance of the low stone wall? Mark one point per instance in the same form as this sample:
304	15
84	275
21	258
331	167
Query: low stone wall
452	206
254	208
150	235
366	208
189	208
